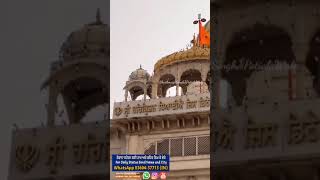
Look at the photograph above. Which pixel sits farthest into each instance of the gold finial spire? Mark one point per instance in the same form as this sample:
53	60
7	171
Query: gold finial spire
195	40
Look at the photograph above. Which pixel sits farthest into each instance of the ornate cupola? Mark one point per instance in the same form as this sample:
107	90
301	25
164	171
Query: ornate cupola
90	41
80	76
137	84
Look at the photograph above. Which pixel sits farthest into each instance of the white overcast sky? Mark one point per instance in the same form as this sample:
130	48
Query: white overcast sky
143	31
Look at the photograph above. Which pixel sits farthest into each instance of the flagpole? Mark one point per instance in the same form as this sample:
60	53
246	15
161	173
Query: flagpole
199	17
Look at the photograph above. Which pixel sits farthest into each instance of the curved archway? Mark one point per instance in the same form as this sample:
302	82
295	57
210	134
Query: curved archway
83	86
166	81
137	88
136	91
81	95
189	76
257	45
76	71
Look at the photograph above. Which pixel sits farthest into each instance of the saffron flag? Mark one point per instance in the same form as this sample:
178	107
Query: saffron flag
204	36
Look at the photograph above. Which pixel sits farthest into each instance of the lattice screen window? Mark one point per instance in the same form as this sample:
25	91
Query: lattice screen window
190	146
163	147
151	150
186	146
203	145
176	147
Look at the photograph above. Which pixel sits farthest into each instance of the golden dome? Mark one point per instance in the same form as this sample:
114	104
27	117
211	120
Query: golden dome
194	53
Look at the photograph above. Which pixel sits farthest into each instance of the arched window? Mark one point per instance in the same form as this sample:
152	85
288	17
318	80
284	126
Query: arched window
165	82
259	44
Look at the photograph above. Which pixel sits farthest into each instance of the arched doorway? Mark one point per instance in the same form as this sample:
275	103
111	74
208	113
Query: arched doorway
253	48
189	76
165	82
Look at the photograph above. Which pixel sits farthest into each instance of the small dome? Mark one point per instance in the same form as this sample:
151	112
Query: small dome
91	40
139	74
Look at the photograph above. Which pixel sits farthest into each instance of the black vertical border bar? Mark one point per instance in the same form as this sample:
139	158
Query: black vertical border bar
108	89
214	76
